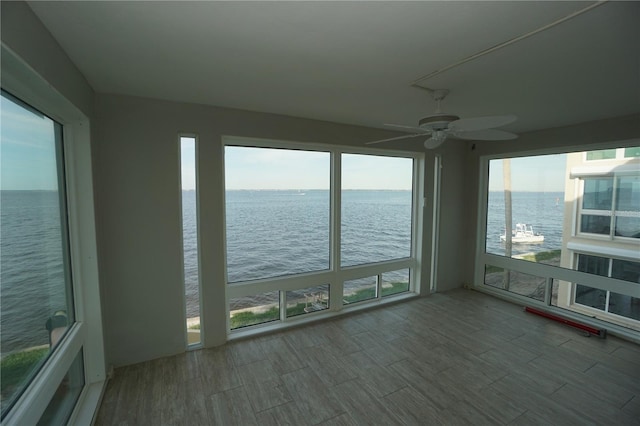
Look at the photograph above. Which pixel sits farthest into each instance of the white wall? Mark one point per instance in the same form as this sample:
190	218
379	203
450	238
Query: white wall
24	34
136	168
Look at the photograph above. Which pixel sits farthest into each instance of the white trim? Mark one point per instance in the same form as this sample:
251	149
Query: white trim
599	250
435	225
19	79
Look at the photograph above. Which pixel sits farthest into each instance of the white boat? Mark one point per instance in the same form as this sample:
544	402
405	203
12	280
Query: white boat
523	234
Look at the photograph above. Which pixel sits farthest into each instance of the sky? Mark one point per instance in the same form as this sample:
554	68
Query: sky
27	149
270	168
542	173
27	160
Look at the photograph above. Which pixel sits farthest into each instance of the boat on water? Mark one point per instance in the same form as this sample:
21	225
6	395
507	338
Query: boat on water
523	234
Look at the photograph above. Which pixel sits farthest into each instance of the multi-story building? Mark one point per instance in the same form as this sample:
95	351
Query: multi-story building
601	232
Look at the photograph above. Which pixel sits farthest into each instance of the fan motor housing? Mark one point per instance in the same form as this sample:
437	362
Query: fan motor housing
437	121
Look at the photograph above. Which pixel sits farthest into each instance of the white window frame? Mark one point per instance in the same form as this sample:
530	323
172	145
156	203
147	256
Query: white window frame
336	275
548	272
612	213
86	334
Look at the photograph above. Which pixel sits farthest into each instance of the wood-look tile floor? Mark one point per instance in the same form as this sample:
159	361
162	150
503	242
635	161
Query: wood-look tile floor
454	358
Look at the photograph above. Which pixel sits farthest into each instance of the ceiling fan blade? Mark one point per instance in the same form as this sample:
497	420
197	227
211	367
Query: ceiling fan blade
480	123
486	135
394	139
414	128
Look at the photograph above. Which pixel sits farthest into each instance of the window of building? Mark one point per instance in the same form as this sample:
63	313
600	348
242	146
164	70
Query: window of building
603	154
611	206
608	301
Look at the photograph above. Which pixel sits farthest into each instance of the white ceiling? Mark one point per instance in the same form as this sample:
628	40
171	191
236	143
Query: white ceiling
354	62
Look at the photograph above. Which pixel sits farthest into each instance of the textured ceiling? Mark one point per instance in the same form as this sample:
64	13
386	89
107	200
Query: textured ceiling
354	62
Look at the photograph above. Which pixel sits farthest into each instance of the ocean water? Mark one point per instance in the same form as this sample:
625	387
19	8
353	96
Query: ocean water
269	233
543	210
32	281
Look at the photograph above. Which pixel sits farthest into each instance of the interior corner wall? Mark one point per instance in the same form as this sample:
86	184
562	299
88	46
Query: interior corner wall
137	177
27	37
452	256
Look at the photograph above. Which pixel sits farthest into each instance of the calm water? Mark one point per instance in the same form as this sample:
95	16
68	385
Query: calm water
543	210
270	233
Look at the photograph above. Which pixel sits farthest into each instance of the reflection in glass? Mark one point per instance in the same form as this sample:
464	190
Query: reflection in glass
628	207
190	238
36	303
64	399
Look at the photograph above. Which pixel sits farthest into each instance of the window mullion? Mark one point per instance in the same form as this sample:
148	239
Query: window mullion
335	295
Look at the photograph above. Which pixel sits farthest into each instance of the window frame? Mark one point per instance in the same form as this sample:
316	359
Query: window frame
548	272
612	213
336	275
86	333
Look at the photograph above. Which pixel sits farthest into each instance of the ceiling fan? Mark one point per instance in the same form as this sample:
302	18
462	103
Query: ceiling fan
443	125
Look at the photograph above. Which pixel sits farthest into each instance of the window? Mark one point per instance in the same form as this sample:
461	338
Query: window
611	206
632	152
190	238
603	154
376	216
307	300
527	196
46	179
312	230
277	212
560	210
607	301
61	405
37	297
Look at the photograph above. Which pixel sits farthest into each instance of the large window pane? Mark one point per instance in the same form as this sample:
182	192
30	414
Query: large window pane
190	238
376	208
598	194
628	207
528	193
595	224
36	305
277	212
577	207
